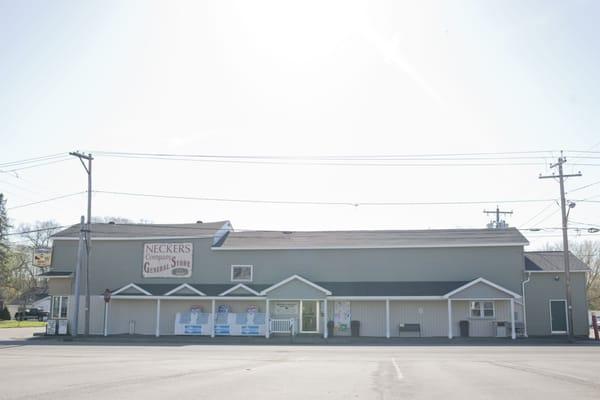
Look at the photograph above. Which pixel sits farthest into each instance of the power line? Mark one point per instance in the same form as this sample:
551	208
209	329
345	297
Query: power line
327	203
32	160
583	187
37	230
46	200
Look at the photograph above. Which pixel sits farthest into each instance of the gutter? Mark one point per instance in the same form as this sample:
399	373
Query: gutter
526	281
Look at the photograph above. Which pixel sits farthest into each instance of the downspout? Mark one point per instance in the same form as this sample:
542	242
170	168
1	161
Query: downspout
524	303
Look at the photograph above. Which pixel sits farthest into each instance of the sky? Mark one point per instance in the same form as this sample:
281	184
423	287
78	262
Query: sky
311	78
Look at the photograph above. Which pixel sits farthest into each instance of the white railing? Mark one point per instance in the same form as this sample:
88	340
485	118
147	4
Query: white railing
282	326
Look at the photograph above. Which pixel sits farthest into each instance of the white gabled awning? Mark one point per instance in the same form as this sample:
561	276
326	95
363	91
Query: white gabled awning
496	291
131	286
184	286
293	278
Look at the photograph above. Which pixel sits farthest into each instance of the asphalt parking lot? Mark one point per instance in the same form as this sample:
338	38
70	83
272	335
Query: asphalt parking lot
87	371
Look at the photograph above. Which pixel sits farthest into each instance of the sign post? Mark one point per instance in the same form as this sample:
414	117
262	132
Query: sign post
107	295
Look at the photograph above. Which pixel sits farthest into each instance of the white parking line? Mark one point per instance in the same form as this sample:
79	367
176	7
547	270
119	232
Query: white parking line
398	372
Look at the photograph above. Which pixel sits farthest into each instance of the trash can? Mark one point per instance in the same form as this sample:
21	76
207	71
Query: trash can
464	328
329	328
355	328
501	329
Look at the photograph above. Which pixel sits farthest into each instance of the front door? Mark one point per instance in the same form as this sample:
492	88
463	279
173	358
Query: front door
309	319
558	316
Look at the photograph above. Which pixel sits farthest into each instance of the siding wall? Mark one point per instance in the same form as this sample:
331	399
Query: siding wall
432	315
371	315
143	312
117	263
541	289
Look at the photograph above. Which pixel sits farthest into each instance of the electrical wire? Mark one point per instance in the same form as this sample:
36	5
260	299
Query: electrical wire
327	203
47	200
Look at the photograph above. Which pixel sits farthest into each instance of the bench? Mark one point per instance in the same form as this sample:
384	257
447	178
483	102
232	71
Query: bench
409	328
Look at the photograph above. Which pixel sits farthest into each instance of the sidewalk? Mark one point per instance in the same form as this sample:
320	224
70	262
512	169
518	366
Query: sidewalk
146	340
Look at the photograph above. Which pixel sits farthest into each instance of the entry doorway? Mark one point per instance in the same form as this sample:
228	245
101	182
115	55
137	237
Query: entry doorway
558	317
309	316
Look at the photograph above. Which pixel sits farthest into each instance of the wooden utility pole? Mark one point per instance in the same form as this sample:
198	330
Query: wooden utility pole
88	233
565	215
497	212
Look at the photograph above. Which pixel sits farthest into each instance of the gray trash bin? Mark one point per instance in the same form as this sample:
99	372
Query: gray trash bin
464	328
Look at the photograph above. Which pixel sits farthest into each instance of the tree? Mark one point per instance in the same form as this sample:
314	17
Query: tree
40	233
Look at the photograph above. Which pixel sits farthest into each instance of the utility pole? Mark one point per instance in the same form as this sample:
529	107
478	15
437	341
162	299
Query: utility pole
565	215
499	224
75	326
88	233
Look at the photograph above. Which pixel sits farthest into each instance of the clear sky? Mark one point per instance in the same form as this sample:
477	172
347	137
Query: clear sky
307	78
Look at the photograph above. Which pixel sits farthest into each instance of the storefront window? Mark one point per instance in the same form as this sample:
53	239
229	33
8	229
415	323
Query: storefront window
60	306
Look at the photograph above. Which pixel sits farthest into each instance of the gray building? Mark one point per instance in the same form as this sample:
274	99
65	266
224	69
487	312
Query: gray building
208	279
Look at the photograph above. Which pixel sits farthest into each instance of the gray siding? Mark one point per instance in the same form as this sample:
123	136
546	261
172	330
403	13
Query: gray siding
431	315
541	289
116	263
143	312
371	315
59	286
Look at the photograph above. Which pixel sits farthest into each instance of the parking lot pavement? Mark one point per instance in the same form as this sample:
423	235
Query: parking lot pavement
19	333
299	372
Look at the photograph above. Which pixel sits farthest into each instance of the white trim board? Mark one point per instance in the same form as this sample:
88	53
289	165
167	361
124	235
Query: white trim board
425	246
135	238
484	281
131	286
184	286
200	298
239	286
295	277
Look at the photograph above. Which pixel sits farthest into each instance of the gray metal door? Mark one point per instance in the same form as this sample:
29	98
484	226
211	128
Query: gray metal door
558	315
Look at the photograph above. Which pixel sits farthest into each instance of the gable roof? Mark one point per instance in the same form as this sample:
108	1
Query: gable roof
552	261
295	278
485	282
372	239
131	231
184	287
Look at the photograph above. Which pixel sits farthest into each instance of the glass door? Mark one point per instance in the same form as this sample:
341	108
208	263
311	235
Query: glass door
310	313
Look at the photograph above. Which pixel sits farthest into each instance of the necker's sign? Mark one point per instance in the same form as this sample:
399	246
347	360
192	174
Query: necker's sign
167	260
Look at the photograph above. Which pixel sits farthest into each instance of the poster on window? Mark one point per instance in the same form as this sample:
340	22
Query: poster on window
167	260
341	317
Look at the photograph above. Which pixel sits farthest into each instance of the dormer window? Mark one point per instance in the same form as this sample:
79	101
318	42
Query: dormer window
241	273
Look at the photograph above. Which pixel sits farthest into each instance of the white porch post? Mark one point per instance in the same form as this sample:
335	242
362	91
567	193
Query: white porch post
105	318
325	317
157	318
213	318
513	333
449	319
387	318
267	319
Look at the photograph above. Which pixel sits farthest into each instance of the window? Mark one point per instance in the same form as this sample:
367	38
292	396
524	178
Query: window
241	273
60	305
482	309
